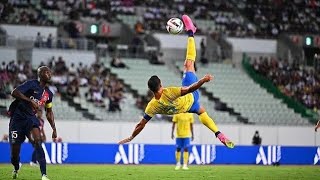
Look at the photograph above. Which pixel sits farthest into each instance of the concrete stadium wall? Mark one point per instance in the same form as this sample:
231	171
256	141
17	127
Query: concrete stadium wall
8	54
251	45
70	56
160	133
176	41
21	31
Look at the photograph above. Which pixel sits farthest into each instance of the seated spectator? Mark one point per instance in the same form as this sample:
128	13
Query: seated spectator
72	69
138	27
156	58
73	88
95	93
117	63
113	89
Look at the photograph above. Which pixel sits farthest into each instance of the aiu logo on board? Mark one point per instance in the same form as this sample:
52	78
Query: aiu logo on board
58	153
316	156
206	154
133	155
268	155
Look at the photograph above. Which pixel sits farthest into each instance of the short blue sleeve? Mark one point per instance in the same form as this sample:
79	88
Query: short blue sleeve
24	87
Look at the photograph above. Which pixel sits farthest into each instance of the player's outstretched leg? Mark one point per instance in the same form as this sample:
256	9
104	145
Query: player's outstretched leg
191	47
207	121
190	78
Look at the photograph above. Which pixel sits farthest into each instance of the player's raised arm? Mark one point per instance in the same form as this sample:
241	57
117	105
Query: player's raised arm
196	85
16	93
135	132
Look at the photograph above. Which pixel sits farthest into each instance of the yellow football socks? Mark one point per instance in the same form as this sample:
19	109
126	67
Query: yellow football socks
191	49
185	157
207	121
178	156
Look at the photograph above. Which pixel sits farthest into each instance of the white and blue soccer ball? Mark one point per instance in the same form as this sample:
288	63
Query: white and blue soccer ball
174	26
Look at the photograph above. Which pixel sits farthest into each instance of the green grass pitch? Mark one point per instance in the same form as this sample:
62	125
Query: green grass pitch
160	172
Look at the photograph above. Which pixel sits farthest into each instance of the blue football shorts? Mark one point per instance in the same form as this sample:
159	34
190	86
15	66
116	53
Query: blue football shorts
183	143
188	79
20	128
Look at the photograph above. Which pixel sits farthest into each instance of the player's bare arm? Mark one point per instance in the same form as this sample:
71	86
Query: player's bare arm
135	132
172	130
191	128
317	125
18	95
196	85
50	118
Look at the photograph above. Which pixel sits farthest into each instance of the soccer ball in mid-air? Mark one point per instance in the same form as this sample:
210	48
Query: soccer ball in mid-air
174	26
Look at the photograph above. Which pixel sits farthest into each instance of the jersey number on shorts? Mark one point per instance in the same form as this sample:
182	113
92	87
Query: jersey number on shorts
14	134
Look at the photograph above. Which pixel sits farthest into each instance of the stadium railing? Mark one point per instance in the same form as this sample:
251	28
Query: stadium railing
56	43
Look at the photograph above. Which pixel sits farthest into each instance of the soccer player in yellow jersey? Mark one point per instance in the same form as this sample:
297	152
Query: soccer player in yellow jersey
175	100
184	133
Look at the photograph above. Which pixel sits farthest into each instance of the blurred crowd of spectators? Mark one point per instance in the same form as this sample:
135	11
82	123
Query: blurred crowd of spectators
292	80
275	16
269	17
36	12
102	86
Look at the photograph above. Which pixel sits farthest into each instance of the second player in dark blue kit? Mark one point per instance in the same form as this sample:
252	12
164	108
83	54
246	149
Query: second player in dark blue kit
30	96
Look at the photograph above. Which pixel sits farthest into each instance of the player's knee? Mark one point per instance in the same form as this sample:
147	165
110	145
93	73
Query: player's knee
178	149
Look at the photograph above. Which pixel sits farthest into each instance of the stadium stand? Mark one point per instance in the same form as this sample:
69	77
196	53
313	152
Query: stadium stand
231	18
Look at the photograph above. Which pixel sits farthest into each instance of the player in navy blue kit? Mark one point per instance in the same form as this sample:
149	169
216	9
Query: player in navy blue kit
30	96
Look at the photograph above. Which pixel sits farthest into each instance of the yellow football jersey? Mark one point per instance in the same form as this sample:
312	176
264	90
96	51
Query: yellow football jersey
171	102
183	122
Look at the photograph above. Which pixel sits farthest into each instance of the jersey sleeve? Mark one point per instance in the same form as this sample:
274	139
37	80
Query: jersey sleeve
174	119
149	111
49	102
24	87
191	119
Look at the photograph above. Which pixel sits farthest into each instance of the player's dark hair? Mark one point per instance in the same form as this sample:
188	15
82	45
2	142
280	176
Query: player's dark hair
154	83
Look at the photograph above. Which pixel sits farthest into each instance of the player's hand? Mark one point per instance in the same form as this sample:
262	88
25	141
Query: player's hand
192	138
54	134
172	136
207	78
126	140
34	105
